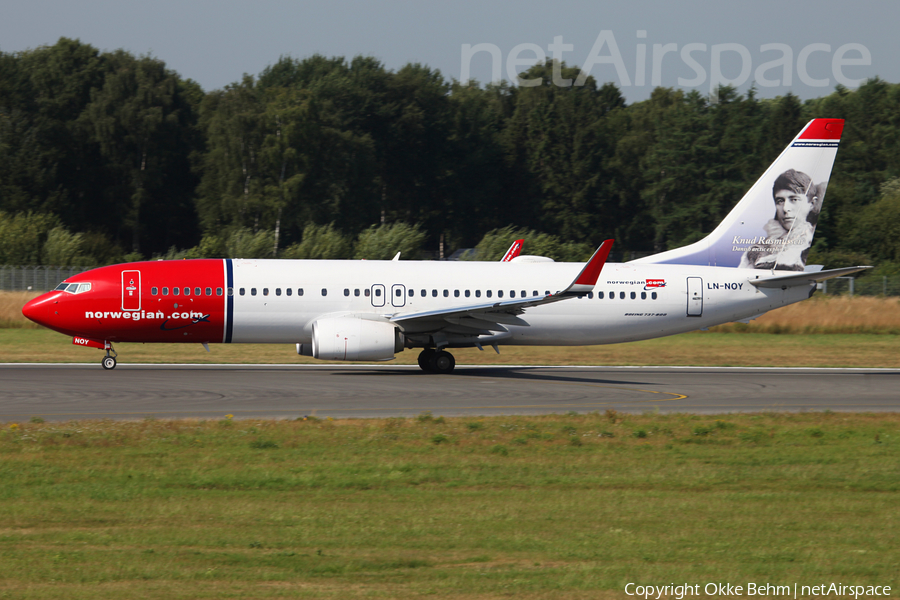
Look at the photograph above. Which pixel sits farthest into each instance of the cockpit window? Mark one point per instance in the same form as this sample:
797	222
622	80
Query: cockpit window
73	288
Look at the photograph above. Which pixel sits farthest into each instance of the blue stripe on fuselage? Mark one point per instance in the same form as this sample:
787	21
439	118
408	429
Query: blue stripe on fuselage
229	291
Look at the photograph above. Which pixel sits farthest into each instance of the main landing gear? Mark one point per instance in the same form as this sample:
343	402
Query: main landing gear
436	361
109	361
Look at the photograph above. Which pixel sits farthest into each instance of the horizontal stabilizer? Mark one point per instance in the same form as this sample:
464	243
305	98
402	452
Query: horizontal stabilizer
809	278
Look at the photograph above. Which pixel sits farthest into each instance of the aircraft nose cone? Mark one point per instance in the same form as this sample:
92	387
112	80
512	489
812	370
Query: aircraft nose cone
37	310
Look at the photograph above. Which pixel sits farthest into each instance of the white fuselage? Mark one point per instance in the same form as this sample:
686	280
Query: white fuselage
630	301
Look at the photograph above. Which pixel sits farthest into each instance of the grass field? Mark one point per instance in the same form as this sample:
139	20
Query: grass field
562	506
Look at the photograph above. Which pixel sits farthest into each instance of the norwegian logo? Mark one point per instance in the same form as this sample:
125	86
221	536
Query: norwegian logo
655	283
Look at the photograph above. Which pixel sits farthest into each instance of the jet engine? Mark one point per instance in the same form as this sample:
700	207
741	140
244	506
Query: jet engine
348	338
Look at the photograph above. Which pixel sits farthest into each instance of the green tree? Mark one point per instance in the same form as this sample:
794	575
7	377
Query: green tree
385	241
23	236
142	118
495	243
64	249
244	243
322	242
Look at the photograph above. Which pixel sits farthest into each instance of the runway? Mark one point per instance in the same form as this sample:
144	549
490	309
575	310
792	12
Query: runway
81	391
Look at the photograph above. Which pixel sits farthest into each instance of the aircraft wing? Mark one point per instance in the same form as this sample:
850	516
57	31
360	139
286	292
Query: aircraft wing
805	278
477	319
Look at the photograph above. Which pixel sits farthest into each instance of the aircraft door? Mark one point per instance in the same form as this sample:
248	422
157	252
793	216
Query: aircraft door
694	296
131	290
377	295
398	295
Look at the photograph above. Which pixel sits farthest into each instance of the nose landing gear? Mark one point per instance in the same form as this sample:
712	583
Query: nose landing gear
109	361
436	361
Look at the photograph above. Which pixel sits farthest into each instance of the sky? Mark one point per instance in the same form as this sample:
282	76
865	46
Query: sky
778	46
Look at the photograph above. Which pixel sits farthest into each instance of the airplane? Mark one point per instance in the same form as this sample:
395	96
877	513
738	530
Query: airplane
353	310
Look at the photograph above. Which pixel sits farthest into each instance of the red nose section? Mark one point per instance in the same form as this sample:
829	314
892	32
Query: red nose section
38	310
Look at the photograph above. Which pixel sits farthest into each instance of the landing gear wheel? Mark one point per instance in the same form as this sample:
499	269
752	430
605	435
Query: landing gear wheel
109	362
442	362
425	357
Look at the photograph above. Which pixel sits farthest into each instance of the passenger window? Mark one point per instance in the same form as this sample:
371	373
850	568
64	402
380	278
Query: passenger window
324	292
367	292
378	292
456	293
612	295
468	293
534	293
499	293
356	292
176	291
488	293
187	291
398	292
621	295
288	291
230	291
154	291
209	292
478	293
243	291
165	291
590	295
434	293
547	292
252	291
423	293
197	291
446	293
653	295
633	295
600	295
523	294
277	291
299	291
347	292
512	293
265	291
643	295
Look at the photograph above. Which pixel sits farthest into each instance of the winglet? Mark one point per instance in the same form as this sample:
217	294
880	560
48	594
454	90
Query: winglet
513	251
586	280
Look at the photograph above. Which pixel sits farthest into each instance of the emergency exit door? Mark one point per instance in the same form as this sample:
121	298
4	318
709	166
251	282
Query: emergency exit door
694	296
131	290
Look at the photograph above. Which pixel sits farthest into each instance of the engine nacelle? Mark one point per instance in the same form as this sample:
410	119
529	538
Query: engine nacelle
349	338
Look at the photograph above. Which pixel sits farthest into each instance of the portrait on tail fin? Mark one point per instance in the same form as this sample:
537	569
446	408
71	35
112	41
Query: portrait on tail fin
789	234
